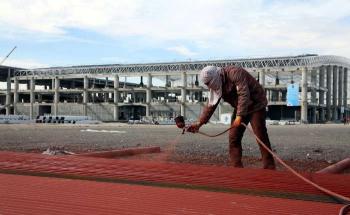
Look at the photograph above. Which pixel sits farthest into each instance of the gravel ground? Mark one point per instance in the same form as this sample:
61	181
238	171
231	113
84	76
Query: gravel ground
305	147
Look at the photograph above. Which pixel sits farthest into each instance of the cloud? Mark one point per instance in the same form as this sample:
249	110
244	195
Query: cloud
220	27
24	63
182	50
113	59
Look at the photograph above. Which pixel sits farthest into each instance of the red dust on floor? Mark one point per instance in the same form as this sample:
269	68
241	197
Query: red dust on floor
40	195
231	179
122	152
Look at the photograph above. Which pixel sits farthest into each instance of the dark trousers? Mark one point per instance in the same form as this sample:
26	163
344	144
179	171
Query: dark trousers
257	120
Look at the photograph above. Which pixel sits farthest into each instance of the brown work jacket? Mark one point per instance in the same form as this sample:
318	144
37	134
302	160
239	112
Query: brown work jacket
239	89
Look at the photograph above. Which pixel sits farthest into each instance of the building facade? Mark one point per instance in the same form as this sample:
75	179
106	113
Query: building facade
104	92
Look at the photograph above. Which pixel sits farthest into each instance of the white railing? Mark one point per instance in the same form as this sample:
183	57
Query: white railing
254	63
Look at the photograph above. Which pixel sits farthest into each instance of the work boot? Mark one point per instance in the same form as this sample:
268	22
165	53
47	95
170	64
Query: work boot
236	156
238	164
269	163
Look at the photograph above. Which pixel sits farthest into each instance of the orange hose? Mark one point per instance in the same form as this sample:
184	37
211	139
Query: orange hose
339	196
295	172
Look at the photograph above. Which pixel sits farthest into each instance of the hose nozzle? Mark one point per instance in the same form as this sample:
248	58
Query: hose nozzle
180	123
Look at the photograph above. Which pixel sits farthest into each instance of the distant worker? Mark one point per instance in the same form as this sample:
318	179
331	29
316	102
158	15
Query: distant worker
237	87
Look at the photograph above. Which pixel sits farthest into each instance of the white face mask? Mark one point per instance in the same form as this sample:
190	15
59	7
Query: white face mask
210	75
215	83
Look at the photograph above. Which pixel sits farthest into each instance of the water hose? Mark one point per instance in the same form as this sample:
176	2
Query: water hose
346	208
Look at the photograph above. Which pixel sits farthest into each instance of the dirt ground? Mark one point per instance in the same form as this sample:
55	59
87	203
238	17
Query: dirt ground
305	147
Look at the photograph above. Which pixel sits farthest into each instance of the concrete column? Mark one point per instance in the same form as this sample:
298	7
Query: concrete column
106	95
335	93
32	98
133	96
313	94
116	98
40	98
148	95
328	94
262	77
277	79
8	92
345	88
340	91
304	95
85	95
183	94
93	94
321	82
141	81
15	96
125	93
56	96
167	81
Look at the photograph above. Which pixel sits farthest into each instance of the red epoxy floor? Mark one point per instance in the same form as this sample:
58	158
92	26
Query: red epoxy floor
40	195
181	174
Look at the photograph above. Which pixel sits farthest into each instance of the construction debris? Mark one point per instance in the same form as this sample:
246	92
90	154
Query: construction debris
15	119
57	151
66	119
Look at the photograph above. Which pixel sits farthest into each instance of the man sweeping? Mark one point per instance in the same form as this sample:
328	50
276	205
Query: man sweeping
237	87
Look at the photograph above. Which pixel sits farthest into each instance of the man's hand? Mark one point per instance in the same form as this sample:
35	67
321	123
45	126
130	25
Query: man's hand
194	127
237	121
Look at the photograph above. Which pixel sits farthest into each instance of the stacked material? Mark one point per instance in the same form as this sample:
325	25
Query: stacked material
65	119
14	119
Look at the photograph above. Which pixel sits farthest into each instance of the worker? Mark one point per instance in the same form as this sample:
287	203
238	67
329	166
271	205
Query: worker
237	87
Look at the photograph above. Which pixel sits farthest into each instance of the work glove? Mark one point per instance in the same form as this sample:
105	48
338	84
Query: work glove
237	122
194	127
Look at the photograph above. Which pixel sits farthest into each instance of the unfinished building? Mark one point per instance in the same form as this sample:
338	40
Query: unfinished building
164	90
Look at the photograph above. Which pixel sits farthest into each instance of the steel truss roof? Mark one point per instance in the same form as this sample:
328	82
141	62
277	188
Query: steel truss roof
257	63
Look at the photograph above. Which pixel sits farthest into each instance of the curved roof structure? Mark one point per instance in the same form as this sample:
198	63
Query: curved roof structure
253	63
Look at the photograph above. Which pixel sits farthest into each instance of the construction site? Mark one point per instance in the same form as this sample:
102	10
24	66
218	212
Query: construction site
104	139
162	91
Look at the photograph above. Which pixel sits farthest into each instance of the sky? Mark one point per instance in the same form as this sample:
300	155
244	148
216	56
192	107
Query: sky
81	32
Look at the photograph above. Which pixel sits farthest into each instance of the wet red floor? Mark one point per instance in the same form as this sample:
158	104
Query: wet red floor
39	195
157	172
